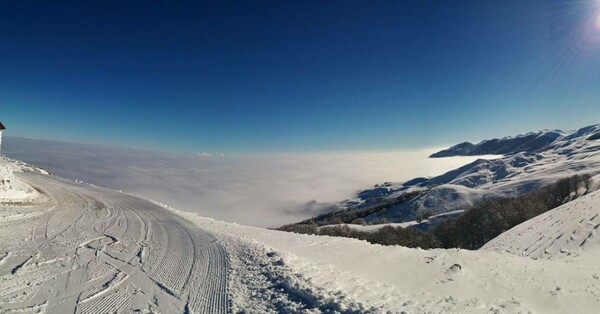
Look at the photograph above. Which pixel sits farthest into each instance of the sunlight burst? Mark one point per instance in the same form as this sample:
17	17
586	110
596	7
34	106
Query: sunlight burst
592	30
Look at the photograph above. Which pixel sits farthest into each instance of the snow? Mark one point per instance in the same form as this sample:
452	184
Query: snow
569	230
91	250
393	278
12	189
539	133
570	154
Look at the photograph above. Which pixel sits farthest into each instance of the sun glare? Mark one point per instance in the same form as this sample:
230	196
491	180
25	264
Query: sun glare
592	30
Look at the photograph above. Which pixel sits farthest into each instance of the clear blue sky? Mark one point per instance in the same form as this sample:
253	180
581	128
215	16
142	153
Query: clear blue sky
236	76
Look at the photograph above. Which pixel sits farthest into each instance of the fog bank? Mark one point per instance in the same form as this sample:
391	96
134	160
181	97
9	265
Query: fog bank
263	190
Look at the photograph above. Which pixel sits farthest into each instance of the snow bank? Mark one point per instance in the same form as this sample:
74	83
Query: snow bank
12	189
401	279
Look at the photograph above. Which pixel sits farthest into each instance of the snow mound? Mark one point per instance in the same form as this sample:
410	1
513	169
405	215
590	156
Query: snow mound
12	189
568	230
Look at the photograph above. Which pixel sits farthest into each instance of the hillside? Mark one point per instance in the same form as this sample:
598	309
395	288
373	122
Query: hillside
566	231
492	177
533	161
395	279
531	143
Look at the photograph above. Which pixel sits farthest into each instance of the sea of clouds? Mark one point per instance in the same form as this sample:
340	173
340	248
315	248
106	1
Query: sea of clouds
265	190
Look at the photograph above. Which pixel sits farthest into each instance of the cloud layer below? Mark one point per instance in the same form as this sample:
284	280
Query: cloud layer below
262	190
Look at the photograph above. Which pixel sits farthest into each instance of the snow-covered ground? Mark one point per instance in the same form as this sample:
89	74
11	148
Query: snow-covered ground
92	250
85	249
569	230
397	279
12	189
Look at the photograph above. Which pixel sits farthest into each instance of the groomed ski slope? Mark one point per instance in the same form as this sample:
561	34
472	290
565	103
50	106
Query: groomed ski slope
93	250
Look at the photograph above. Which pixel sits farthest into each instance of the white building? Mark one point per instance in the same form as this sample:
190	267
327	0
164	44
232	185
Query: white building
2	128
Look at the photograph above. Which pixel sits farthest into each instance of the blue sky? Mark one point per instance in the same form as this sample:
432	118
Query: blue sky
245	76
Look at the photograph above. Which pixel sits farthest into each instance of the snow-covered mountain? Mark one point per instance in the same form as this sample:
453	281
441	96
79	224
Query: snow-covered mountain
531	142
530	161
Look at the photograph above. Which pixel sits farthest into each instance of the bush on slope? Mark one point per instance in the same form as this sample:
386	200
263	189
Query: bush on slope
355	215
388	235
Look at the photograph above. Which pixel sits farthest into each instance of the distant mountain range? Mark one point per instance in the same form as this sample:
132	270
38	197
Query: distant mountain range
531	143
529	161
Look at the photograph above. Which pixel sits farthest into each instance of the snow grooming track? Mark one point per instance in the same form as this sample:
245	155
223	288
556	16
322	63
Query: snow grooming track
94	250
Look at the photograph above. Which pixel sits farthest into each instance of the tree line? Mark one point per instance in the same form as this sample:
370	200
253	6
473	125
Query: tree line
488	219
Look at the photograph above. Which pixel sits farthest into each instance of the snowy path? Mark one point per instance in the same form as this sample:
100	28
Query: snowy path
94	250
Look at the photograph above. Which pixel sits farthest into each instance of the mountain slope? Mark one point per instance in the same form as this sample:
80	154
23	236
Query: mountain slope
531	143
568	230
567	154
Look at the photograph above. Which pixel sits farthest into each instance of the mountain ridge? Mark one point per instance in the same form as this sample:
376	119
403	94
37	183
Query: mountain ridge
521	169
531	142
